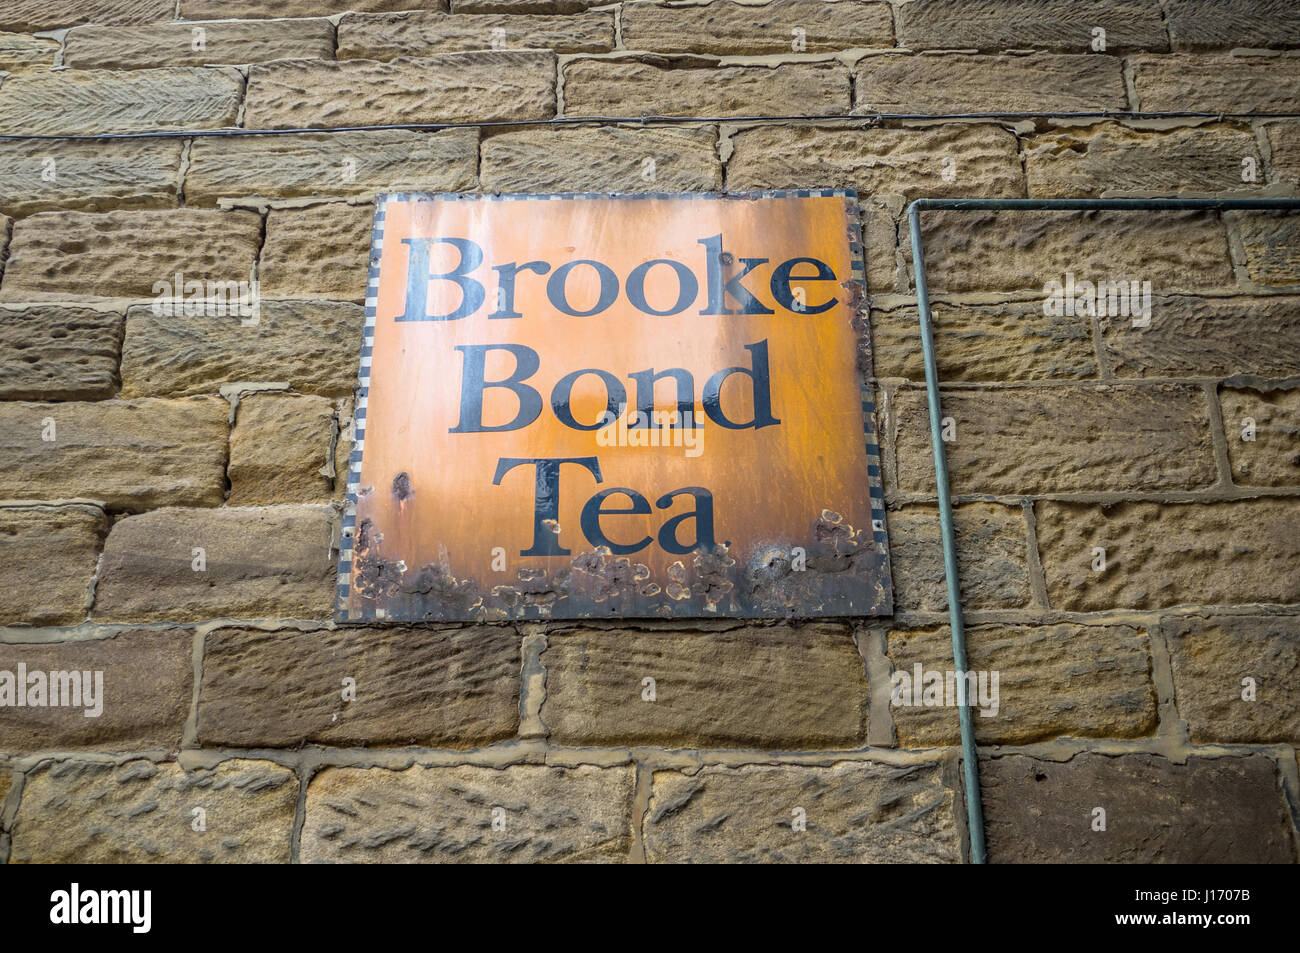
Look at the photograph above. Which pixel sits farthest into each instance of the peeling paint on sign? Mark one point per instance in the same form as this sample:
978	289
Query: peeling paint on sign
606	405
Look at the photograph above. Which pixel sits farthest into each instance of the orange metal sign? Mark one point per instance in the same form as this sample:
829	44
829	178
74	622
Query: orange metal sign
578	406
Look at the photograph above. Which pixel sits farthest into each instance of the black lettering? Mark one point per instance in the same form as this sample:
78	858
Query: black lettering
762	390
418	277
546	505
592	512
472	386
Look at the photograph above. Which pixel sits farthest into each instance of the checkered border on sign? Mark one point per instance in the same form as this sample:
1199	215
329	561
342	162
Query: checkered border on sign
359	419
858	279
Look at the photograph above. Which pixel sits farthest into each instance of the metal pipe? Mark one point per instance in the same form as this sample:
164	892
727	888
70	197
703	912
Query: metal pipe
969	753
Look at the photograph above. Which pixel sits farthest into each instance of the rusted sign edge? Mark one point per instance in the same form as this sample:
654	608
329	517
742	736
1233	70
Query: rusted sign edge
855	285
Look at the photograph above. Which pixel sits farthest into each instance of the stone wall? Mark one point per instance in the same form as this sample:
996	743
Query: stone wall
130	442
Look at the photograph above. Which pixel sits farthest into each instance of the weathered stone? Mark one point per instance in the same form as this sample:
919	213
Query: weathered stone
727	28
87	101
1209	810
1061	26
602	158
445	815
1023	250
312	345
88	812
995	342
1054	680
47	559
1114	160
450	688
343	446
1284	146
971	83
453	87
33	15
991	550
1213	656
42	175
1216	83
1060	439
141	683
254	9
48	352
318	252
633	89
1271	455
73	255
856	812
1213	25
172	44
262	562
908	162
771	688
131	454
880	232
332	164
279	450
1167	554
26	54
382	36
1271	242
521	6
1216	337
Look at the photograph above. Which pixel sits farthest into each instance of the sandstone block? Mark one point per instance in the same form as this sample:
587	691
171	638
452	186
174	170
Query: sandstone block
1209	810
436	688
323	251
1167	554
93	176
312	345
1052	681
47	559
958	83
279	450
453	87
1271	457
172	44
330	164
996	342
62	255
48	352
108	101
445	815
1061	26
776	687
87	812
1211	659
991	551
735	29
131	454
140	683
1216	82
1113	160
602	158
261	562
1060	439
932	161
629	88
1190	336
382	36
856	812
